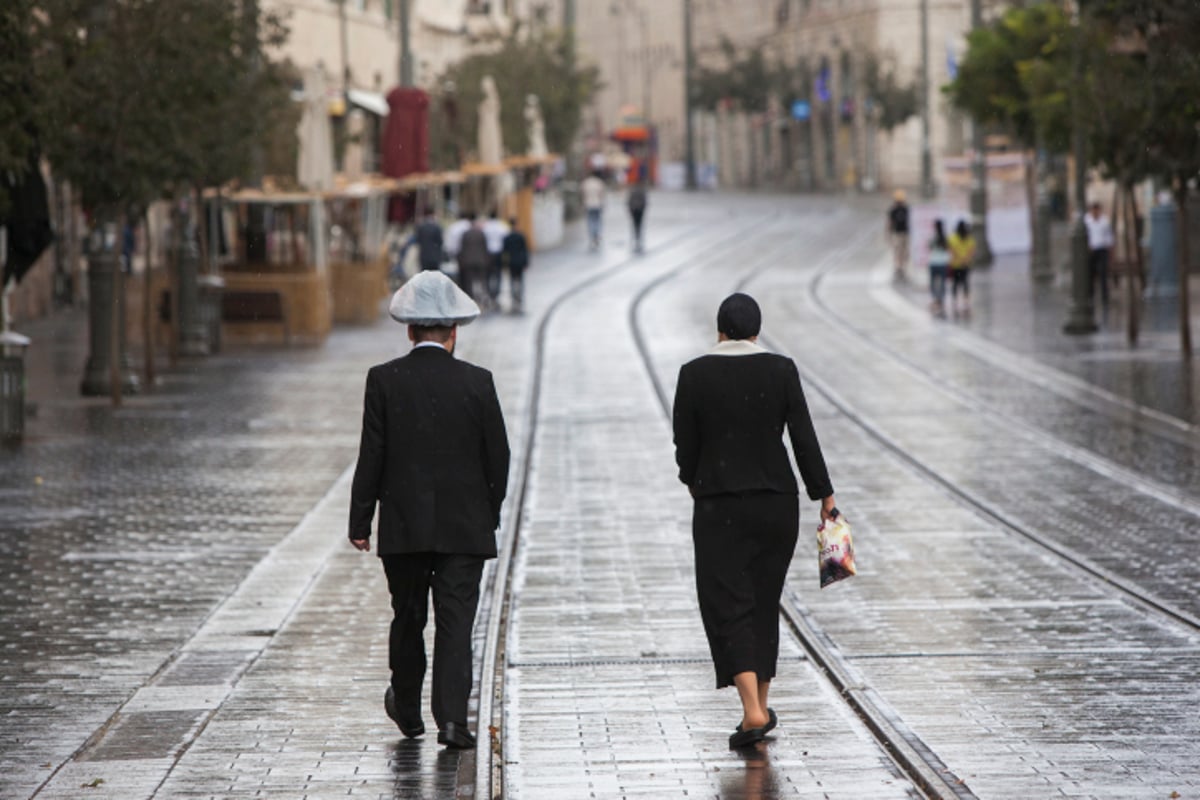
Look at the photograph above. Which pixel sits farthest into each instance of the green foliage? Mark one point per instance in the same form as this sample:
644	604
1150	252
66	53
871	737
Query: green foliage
747	81
541	64
1016	75
142	96
896	102
17	97
1164	36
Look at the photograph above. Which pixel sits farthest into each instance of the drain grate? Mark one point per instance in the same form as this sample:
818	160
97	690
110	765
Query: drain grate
145	734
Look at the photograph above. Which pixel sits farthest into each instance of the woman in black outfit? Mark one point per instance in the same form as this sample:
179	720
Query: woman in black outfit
731	408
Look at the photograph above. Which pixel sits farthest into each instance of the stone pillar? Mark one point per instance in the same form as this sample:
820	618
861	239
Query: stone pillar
106	309
193	337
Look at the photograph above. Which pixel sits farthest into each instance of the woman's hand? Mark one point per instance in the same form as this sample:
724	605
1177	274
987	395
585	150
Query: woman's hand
828	507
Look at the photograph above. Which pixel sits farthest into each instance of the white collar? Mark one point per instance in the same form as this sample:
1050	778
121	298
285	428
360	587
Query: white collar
429	344
737	347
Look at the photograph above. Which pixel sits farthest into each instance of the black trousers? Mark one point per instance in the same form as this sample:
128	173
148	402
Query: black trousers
454	580
1098	273
744	544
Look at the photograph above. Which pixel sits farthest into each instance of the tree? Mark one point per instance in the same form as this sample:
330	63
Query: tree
1015	76
749	80
142	98
895	102
17	100
539	64
1168	32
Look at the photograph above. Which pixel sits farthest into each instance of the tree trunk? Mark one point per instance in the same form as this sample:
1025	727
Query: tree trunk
1184	260
1124	196
1031	197
148	306
118	323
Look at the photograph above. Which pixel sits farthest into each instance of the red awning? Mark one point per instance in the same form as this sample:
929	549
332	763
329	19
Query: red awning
631	134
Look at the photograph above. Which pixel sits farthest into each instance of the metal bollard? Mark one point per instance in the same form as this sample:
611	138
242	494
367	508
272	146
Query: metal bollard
12	385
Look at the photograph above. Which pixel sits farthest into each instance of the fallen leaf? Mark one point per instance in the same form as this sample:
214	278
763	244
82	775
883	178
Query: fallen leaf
92	784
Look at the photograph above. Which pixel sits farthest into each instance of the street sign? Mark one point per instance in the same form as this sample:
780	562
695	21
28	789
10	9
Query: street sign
801	110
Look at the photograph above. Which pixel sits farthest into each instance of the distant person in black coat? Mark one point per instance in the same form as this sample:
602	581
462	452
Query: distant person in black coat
431	250
516	259
434	458
731	408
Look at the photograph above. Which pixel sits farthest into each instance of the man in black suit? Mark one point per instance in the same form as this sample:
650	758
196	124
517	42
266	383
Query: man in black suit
434	457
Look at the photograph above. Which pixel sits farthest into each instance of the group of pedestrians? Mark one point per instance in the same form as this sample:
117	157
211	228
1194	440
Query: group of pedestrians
594	192
950	257
433	462
482	250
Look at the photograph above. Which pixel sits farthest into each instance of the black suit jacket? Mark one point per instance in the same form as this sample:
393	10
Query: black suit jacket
434	456
729	418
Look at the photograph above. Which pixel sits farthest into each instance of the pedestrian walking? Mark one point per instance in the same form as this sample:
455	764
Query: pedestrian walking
516	259
897	233
428	239
1100	242
594	190
939	268
434	457
473	261
495	230
453	241
962	255
637	211
731	408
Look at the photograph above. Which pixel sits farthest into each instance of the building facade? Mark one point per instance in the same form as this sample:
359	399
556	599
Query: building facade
638	45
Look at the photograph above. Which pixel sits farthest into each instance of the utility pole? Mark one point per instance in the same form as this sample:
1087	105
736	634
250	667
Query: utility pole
688	59
927	187
406	61
345	37
979	203
1081	314
568	25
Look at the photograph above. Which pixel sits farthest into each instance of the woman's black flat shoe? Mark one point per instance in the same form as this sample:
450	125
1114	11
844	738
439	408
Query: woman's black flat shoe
740	738
772	721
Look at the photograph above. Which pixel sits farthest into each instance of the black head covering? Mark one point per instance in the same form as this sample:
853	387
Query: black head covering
739	317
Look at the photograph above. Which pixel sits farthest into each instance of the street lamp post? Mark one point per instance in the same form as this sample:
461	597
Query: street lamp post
406	60
979	203
1081	315
688	59
927	187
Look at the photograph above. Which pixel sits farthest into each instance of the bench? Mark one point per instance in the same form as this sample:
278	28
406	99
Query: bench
255	305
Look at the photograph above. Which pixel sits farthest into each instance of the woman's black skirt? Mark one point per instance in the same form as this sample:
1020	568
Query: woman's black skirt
744	544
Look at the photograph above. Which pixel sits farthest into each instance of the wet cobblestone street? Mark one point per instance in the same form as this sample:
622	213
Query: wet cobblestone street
181	617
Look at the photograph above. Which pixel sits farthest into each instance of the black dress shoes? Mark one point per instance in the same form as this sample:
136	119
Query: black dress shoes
455	734
410	724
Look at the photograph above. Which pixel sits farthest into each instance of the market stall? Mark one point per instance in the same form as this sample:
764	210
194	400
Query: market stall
277	284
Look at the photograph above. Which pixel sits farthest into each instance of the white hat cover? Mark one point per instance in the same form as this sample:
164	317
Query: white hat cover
432	298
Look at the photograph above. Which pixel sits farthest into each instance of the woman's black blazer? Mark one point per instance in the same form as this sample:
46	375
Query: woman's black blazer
729	418
434	456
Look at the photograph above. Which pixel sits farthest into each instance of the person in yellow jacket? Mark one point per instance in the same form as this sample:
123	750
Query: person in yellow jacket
962	254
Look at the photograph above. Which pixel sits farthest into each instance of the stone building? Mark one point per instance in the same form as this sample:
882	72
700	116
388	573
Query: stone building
638	44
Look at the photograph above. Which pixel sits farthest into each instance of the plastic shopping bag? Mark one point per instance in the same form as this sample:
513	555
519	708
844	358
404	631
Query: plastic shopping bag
835	550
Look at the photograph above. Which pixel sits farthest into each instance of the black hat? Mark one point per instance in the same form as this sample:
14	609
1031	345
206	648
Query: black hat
739	317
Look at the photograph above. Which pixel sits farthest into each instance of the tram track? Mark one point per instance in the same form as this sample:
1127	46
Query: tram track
487	780
973	500
914	759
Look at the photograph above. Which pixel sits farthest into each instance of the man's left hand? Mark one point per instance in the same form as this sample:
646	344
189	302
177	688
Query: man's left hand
362	544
